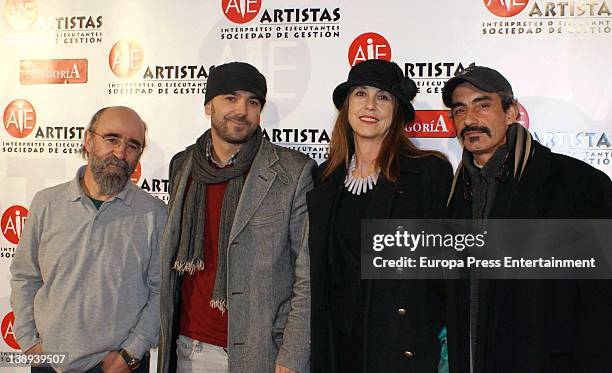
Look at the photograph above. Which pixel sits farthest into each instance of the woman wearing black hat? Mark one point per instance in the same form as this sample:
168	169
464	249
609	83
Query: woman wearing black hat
373	171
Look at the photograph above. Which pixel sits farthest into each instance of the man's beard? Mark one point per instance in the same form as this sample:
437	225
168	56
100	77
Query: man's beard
225	134
110	180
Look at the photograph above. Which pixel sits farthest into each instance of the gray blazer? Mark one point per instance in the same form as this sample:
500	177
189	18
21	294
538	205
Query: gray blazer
268	265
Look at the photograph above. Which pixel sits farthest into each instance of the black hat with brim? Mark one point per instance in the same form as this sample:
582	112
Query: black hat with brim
383	75
481	77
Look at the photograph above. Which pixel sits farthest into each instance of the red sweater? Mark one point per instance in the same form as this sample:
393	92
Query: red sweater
198	320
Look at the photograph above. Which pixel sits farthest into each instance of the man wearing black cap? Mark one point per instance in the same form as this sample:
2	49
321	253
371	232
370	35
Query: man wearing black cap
525	325
235	270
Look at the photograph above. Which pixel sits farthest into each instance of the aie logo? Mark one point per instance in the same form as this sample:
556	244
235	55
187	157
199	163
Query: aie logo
240	11
136	174
12	223
20	14
7	330
125	58
505	8
369	46
19	118
523	118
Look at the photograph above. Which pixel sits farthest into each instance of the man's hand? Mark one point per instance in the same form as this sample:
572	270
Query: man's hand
114	363
36	349
282	369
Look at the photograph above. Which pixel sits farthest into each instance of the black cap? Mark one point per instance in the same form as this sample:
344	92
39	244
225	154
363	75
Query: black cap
381	74
235	76
483	78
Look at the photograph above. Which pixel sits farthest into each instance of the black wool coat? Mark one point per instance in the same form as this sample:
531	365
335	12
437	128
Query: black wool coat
393	341
543	326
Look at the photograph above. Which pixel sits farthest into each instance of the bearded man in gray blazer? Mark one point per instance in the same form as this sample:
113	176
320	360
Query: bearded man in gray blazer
235	291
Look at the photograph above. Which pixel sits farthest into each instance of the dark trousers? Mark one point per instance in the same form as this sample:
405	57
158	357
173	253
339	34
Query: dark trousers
143	368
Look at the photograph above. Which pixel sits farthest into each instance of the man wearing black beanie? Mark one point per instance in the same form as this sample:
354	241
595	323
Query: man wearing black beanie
235	292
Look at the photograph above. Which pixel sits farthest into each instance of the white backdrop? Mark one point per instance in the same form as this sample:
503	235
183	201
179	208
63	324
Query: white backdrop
63	60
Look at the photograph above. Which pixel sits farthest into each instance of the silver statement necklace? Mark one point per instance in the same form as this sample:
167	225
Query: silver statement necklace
358	185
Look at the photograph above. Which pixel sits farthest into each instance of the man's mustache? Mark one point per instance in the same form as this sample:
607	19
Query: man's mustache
475	128
112	160
238	118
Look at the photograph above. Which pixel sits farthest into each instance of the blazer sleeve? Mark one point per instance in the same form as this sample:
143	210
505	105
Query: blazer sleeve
294	353
175	162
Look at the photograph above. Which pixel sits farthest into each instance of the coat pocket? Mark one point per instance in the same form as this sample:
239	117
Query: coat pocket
266	219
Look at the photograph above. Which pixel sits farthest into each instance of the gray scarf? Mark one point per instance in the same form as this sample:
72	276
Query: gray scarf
190	254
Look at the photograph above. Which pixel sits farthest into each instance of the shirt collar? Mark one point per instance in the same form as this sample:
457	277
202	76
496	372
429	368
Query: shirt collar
75	192
209	156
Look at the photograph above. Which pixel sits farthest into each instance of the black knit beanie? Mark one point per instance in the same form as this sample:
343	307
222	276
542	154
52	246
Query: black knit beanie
235	76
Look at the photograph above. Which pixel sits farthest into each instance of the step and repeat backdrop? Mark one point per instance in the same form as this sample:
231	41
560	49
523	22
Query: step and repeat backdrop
63	60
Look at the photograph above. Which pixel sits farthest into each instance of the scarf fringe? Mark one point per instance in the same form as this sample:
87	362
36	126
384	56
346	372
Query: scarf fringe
220	304
191	266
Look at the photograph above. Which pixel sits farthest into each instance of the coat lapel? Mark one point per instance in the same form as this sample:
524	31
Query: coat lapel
258	182
525	199
531	193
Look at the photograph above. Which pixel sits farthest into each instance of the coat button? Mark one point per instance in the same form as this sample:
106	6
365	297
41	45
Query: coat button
408	354
401	311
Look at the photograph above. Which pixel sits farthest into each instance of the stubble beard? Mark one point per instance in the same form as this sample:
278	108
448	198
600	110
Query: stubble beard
224	132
